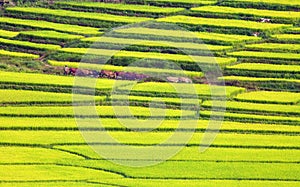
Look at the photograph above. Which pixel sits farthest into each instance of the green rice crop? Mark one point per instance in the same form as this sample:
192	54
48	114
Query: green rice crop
267	55
257	79
51	172
30	44
150	71
193	154
152	55
166	100
151	43
169	88
25	154
286	2
222	22
8	34
189	1
287	37
266	67
124	7
26	96
103	111
255	107
166	125
274	47
269	97
51	35
186	34
41	137
252	117
81	15
17	54
50	25
248	11
51	80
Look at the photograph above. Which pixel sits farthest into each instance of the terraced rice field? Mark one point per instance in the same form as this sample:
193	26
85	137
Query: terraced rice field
102	129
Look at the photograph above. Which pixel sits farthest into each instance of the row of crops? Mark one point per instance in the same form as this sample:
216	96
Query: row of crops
48	121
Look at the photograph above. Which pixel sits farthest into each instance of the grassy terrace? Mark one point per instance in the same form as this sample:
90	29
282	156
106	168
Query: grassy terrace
286	2
248	11
287	37
189	1
256	107
167	88
158	100
266	55
252	118
41	137
50	25
226	38
50	35
31	45
122	7
227	23
31	97
31	79
152	55
269	97
279	84
151	43
17	54
266	67
166	125
193	154
87	111
150	71
8	34
81	15
274	47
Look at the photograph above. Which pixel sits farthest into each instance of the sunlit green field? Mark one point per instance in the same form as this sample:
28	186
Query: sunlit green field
236	124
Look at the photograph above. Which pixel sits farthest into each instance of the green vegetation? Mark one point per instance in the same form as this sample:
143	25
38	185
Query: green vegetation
193	154
151	43
123	7
103	111
30	97
150	71
222	22
8	34
266	55
266	67
279	84
156	100
253	120
17	54
166	125
168	89
31	79
226	38
74	14
270	97
286	2
41	137
51	172
274	47
292	38
152	55
29	44
50	35
242	117
248	11
255	107
50	25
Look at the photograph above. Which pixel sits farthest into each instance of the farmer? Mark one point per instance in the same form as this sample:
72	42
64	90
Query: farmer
66	70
